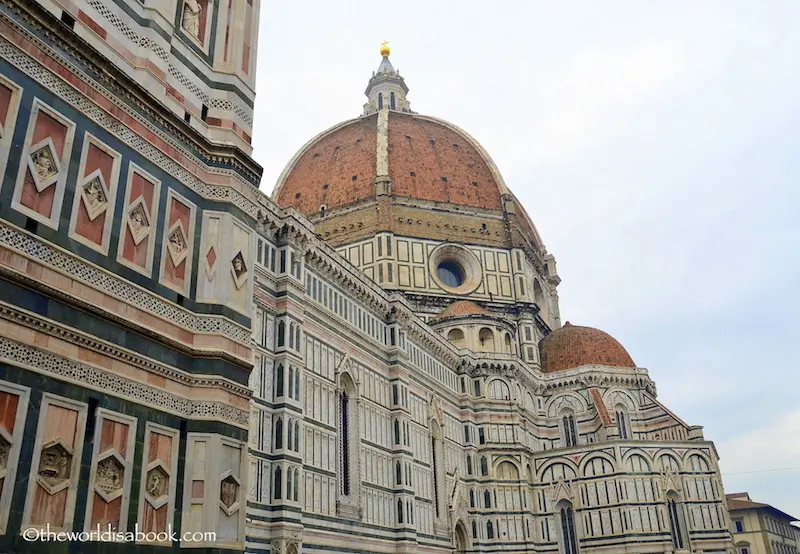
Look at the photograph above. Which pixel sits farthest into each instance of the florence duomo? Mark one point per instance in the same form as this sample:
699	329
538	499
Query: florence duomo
372	359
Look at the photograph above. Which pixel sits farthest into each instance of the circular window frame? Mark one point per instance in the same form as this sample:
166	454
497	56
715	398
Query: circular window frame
470	265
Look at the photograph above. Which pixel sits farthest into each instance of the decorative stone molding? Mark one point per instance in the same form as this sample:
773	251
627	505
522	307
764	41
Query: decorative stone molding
87	376
33	321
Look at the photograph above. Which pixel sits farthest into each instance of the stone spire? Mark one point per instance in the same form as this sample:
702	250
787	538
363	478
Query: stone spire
386	89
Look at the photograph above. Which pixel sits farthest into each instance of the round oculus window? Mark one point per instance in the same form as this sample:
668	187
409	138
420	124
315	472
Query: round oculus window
450	273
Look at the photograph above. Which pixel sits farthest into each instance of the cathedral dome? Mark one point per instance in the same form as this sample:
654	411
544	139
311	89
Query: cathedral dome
394	170
573	346
424	158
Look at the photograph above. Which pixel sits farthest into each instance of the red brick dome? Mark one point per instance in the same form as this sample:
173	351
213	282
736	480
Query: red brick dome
423	157
572	346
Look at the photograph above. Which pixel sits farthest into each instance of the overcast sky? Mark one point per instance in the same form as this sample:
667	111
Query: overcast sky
654	144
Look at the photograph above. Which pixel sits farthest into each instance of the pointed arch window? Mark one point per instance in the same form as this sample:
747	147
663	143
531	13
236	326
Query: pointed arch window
277	483
474	530
484	466
471	499
623	422
380	107
674	510
399	511
297	338
279	381
489	530
279	433
569	539
392	101
398	473
297	384
344	407
297	436
291	382
569	429
469	464
487	499
281	333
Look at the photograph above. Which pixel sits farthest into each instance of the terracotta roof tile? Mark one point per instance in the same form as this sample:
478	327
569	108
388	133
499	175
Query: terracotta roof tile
461	308
334	160
573	346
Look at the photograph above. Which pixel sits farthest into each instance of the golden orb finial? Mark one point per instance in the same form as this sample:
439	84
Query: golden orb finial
385	50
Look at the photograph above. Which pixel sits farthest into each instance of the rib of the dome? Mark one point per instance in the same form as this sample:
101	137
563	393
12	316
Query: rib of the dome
334	169
429	161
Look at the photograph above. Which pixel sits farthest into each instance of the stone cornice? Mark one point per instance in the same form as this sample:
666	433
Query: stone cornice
85	340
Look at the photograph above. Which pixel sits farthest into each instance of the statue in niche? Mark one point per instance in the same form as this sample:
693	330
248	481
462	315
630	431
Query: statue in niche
191	17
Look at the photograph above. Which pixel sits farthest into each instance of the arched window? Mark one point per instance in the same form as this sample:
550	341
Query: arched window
297	338
297	384
291	383
486	340
569	540
399	511
392	101
296	485
297	436
277	483
569	429
397	431
290	433
489	530
278	433
484	466
436	453
471	499
279	381
281	333
507	342
344	408
623	422
380	107
474	530
456	337
674	509
399	473
469	464
289	483
487	499
291	337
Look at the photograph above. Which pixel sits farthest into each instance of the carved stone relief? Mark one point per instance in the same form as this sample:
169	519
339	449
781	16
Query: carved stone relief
229	494
43	164
5	451
157	486
55	465
239	270
138	221
93	194
176	245
110	475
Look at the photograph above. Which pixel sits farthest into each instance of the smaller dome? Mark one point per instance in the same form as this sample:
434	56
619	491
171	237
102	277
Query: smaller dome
573	346
461	308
